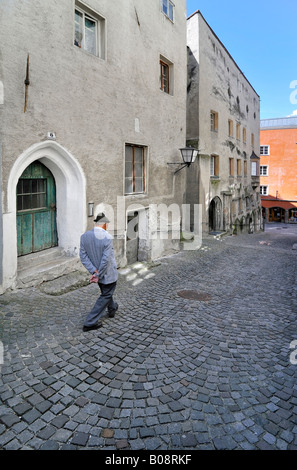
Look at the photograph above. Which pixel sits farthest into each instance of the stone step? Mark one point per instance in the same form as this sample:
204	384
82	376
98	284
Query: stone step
36	268
40	257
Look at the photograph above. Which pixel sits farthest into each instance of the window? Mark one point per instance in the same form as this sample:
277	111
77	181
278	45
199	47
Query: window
230	128
264	190
238	167
263	170
238	131
164	76
214	120
244	135
254	169
264	149
245	168
214	165
168	8
89	30
231	166
31	194
134	169
253	140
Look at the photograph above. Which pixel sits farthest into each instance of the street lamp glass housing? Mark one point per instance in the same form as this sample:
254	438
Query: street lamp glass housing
188	155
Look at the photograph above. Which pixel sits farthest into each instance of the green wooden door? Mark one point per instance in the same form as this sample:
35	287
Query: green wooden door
36	210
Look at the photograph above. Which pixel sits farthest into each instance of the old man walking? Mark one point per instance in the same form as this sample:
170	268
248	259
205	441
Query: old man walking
97	256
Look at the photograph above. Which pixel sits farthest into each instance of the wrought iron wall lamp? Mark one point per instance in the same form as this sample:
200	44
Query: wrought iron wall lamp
189	155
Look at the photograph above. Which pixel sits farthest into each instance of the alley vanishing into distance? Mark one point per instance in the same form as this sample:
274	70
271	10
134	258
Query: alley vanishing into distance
199	356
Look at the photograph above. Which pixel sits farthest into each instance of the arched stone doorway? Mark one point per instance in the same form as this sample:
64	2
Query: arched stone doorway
36	210
70	202
215	214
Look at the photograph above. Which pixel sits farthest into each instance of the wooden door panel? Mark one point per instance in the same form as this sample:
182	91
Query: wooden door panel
36	210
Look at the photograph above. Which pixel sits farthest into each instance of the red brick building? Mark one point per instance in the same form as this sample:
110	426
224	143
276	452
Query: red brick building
278	169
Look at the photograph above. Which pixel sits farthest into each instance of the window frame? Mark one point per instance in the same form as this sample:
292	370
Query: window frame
231	166
264	150
238	167
164	62
30	194
167	4
238	129
214	121
230	128
254	169
88	13
214	166
266	190
165	89
262	171
144	149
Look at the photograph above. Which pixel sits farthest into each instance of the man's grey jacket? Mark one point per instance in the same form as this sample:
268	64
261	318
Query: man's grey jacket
96	253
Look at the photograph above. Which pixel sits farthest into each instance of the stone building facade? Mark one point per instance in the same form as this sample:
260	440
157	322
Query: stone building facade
93	107
223	123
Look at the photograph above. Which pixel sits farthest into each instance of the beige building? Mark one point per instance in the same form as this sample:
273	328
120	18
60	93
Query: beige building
92	108
223	122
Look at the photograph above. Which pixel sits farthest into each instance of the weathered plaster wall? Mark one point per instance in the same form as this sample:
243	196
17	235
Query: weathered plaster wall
215	83
94	106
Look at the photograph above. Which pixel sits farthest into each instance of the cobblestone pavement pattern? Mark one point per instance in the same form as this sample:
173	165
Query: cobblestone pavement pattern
213	372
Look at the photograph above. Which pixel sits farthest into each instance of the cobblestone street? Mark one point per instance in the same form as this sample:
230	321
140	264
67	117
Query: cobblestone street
199	355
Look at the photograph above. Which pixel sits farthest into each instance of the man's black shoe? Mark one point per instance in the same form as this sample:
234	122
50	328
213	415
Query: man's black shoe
93	327
113	312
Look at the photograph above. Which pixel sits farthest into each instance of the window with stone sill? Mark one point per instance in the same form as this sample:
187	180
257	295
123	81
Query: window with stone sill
238	164
89	30
230	128
265	150
166	75
254	169
214	166
135	177
238	131
168	9
264	190
231	166
214	121
264	170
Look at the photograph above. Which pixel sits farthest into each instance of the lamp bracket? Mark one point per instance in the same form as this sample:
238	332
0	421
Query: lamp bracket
182	165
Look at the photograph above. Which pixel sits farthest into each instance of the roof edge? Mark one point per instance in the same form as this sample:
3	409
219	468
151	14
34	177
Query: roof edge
198	12
288	122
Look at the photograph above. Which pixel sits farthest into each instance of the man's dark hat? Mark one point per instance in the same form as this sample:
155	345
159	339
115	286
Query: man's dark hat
101	218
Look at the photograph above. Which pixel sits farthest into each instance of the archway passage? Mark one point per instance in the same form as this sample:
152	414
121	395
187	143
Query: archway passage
36	210
215	210
276	214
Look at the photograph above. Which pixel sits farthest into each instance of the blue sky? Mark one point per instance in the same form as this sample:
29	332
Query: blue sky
261	36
